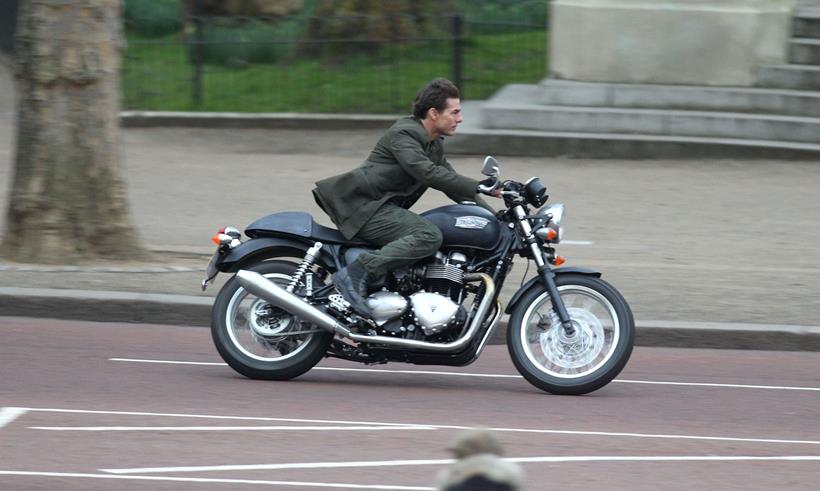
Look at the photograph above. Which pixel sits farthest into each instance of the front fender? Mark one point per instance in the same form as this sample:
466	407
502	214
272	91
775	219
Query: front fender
533	282
262	248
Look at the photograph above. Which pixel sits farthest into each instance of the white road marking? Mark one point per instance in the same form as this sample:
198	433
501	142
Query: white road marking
228	428
669	458
577	242
173	362
237	418
217	481
9	414
441	462
730	386
488	375
450	427
268	467
647	435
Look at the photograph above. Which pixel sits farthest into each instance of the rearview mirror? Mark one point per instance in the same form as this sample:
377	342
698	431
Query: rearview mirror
491	167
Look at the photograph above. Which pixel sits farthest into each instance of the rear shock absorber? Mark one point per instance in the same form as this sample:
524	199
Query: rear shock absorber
307	262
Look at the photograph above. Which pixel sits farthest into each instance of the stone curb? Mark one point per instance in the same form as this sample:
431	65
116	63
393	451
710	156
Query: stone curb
322	121
476	141
104	306
189	310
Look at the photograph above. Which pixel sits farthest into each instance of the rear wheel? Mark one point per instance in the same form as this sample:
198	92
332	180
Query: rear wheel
259	340
584	361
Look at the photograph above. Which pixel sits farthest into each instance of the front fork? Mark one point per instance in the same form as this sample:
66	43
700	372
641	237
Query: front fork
545	272
557	302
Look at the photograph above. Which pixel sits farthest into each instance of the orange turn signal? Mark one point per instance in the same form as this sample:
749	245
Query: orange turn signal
551	234
215	239
559	260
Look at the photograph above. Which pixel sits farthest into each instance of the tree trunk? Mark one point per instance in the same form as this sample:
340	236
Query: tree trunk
68	199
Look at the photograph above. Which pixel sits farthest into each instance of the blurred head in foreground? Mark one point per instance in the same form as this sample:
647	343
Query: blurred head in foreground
479	466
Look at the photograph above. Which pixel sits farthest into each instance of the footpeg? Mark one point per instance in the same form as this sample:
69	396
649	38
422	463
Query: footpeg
338	303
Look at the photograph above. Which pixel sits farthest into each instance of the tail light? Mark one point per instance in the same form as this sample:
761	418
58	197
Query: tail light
227	236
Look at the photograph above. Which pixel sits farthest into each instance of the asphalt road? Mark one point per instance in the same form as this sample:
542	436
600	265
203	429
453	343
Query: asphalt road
101	406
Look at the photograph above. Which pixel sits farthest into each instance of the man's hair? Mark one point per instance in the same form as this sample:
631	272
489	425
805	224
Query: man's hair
434	95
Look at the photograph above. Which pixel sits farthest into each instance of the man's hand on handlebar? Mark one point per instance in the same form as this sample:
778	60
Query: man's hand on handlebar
490	186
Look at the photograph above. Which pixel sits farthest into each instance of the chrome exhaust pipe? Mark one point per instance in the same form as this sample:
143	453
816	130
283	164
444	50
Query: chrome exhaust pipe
261	287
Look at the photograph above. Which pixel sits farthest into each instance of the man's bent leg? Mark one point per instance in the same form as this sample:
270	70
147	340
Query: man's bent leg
404	237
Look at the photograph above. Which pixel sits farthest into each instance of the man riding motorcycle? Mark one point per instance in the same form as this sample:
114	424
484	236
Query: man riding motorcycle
371	202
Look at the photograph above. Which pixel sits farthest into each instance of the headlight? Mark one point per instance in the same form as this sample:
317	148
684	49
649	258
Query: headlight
553	231
535	192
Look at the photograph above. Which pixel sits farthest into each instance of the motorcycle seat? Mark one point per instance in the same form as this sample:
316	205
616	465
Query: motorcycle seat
297	223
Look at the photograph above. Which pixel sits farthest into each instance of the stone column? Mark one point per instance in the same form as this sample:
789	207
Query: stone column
695	42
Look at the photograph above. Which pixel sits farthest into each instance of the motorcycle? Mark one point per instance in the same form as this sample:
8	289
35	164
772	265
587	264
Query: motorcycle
569	331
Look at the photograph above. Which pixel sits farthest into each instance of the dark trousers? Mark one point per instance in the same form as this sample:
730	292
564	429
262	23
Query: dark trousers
403	236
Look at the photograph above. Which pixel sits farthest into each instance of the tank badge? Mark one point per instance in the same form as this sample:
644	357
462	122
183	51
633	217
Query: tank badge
476	223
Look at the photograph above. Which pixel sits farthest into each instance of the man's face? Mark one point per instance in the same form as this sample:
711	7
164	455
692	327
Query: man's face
446	120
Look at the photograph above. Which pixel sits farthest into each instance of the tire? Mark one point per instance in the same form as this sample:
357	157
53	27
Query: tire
248	332
554	363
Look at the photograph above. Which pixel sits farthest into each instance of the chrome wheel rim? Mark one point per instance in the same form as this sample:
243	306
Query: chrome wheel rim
552	351
261	331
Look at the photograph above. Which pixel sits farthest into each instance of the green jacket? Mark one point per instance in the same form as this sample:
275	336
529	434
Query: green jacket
400	168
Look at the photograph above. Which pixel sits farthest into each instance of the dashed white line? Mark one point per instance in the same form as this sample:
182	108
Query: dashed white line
577	242
441	462
229	428
729	386
649	435
669	458
489	375
9	414
216	480
452	427
297	465
211	416
171	362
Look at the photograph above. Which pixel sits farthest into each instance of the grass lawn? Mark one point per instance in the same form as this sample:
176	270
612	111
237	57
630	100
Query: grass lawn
158	74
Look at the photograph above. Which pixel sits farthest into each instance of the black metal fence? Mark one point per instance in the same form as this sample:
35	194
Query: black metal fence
352	63
8	19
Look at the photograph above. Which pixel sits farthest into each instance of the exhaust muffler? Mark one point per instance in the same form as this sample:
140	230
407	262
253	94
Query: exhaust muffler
270	291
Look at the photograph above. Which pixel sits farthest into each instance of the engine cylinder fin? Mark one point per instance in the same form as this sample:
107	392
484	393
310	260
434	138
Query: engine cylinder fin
445	272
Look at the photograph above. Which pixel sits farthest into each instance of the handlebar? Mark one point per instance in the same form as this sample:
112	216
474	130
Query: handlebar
487	186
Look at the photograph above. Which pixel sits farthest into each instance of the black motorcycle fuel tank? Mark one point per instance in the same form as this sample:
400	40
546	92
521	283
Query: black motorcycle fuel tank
466	225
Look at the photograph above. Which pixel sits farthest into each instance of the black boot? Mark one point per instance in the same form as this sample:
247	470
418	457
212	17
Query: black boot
352	284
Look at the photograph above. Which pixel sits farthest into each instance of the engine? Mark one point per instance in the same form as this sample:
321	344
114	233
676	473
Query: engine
426	297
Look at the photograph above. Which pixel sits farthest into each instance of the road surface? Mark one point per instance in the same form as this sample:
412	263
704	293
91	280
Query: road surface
103	406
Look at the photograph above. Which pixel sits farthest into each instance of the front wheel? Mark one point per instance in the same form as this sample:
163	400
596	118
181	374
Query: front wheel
586	360
259	340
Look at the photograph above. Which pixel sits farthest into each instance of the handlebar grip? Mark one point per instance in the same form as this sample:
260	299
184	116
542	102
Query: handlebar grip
487	186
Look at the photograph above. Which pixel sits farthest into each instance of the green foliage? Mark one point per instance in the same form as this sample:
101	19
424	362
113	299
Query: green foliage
153	17
499	16
158	75
369	25
356	64
249	43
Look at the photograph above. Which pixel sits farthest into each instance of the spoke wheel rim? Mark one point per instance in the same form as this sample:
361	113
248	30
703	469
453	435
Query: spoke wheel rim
550	350
259	330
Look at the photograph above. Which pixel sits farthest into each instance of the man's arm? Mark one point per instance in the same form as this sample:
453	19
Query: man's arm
410	154
459	198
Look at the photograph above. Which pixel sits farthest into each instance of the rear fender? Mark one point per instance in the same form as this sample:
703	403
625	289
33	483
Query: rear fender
256	250
535	281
